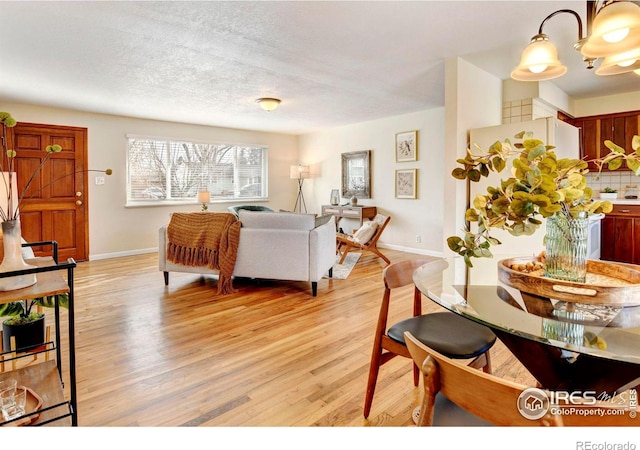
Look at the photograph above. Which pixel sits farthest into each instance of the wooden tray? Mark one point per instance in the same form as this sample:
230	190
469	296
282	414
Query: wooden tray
33	404
608	283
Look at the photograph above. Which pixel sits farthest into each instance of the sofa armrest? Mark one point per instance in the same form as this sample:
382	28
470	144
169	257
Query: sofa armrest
322	253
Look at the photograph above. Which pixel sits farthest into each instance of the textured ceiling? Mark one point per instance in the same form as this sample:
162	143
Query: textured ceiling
331	63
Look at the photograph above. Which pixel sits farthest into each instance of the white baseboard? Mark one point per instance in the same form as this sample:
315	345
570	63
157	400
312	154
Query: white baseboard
417	251
401	248
121	254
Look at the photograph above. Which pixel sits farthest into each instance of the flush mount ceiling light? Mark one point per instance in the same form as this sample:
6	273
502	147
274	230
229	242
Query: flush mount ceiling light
613	33
268	104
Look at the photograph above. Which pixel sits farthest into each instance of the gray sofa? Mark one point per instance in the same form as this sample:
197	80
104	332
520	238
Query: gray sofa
274	246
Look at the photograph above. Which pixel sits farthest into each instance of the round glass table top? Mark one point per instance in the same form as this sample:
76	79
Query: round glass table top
597	330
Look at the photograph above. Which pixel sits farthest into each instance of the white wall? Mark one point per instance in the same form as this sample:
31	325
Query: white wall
473	99
409	217
117	231
607	105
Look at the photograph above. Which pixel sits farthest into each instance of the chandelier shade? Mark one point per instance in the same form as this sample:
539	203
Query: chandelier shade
539	61
616	29
620	63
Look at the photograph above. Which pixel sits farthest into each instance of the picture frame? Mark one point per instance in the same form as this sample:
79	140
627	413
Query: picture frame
356	174
407	183
407	146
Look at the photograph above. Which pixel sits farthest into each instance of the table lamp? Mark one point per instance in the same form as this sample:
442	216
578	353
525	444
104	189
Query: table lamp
204	197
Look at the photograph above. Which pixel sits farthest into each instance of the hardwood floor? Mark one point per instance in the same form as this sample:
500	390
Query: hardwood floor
269	355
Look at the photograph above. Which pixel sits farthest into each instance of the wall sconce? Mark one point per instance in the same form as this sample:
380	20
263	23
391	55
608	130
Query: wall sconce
613	34
204	197
299	173
268	104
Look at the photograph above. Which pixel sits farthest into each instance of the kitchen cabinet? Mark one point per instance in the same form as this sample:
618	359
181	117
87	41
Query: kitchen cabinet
594	130
620	236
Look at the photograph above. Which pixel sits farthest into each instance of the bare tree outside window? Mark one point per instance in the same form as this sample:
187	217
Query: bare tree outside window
165	170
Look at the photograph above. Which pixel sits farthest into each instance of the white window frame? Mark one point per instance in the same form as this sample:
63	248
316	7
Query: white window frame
247	183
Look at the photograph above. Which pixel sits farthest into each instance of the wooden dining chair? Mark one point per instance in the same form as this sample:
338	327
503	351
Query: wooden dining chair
451	334
348	243
456	395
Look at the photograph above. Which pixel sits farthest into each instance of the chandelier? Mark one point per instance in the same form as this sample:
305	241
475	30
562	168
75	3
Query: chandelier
613	34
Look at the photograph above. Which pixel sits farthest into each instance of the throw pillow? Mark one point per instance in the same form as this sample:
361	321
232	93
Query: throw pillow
365	233
321	220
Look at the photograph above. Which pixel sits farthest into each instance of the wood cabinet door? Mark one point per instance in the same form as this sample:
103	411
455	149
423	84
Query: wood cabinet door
55	205
607	238
590	134
631	128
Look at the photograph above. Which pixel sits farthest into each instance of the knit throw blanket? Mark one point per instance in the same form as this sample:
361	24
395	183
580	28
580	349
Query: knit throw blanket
205	239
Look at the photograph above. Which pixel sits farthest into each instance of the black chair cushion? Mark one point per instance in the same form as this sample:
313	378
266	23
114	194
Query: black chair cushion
447	333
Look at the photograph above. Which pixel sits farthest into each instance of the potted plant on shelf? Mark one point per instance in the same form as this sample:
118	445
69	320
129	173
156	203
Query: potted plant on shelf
25	324
541	187
609	193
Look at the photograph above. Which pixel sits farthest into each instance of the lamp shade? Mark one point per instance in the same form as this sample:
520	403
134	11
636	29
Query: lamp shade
615	29
299	172
204	197
539	61
620	63
268	104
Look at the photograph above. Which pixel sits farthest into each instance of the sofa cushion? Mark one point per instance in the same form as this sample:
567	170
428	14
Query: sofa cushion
366	232
321	220
237	208
277	220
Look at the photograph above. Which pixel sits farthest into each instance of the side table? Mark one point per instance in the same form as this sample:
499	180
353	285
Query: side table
350	212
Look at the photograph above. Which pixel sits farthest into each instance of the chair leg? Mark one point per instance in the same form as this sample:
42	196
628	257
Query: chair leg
380	254
487	367
166	278
345	252
431	381
374	368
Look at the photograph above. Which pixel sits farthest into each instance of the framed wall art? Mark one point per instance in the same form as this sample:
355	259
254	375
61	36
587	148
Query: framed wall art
407	146
356	175
407	183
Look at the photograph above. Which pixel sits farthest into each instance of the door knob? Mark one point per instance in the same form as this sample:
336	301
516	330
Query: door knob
78	202
78	194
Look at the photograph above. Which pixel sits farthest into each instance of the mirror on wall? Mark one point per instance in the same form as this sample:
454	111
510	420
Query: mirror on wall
356	174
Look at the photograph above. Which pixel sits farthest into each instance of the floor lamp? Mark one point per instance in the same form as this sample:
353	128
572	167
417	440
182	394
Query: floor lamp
299	173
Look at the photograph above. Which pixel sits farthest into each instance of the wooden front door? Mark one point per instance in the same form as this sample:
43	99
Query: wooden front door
55	205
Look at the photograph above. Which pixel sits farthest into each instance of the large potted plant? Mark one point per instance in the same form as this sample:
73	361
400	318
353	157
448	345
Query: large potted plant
540	187
25	324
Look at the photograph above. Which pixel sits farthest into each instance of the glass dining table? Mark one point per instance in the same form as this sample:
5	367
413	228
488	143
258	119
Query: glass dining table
565	345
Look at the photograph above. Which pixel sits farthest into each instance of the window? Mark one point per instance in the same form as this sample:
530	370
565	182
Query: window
164	170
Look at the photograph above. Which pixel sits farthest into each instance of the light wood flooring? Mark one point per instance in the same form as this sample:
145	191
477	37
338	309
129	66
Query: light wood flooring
268	355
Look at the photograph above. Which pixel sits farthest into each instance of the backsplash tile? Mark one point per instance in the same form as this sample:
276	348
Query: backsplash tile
616	180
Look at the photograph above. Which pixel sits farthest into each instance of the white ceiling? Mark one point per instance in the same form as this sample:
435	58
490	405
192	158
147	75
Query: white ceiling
331	63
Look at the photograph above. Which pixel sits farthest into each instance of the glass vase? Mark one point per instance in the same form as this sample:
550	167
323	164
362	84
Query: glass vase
566	246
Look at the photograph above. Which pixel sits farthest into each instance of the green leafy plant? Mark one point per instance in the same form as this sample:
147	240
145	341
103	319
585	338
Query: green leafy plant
540	186
21	311
609	190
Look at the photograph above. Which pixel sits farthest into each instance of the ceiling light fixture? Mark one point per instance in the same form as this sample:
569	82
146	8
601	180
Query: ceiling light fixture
268	104
613	33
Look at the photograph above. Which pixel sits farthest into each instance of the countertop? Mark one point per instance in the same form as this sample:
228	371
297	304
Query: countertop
623	201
